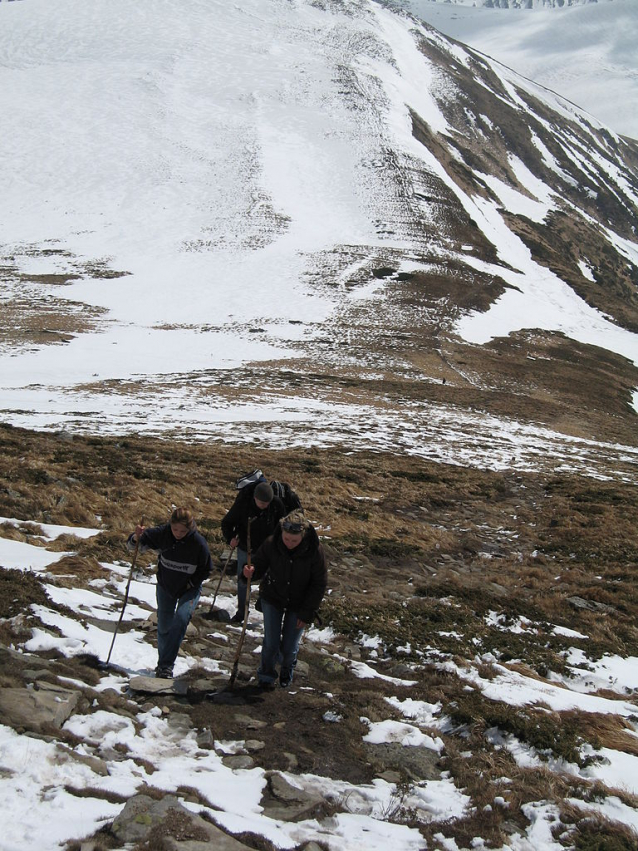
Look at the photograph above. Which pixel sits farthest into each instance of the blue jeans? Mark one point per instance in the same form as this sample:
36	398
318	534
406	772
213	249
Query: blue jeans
173	616
281	643
242	558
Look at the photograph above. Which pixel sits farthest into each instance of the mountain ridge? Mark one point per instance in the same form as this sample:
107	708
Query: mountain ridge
583	51
427	184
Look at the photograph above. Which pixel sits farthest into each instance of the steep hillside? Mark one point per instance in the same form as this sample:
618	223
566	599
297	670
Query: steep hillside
362	200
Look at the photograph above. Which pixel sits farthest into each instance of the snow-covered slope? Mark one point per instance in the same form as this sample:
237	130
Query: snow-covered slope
195	189
584	50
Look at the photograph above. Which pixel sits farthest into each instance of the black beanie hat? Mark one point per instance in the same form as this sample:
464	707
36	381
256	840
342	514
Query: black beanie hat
263	492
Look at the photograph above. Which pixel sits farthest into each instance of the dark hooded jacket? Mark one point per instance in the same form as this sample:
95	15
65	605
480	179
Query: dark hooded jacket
235	523
292	579
182	564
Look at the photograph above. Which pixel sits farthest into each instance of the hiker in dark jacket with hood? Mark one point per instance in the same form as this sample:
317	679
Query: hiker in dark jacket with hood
259	506
292	568
184	563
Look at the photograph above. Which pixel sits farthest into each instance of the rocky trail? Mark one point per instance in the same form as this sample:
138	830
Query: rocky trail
471	676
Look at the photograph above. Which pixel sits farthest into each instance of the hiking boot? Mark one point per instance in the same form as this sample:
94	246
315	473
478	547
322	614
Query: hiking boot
285	679
164	673
238	617
266	686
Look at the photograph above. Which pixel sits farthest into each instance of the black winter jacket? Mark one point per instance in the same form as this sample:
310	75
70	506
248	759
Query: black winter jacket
292	579
182	564
235	523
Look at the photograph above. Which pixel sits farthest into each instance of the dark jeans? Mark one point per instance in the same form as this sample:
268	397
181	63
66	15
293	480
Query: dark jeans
242	558
173	616
281	643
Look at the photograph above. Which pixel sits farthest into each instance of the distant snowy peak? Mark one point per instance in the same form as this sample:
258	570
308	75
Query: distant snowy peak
520	4
531	4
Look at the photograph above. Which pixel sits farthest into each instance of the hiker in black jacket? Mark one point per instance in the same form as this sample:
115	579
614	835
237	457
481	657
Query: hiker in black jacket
259	505
292	567
184	563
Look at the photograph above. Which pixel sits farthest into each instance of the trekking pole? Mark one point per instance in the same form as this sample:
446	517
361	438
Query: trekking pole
246	610
230	555
128	585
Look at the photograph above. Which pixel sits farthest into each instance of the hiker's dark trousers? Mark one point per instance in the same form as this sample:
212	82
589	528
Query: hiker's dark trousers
281	643
173	616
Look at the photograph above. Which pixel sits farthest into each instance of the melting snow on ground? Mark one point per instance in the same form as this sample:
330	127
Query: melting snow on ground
34	773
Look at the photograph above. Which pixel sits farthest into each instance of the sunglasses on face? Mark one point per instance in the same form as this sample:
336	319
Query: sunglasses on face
295	528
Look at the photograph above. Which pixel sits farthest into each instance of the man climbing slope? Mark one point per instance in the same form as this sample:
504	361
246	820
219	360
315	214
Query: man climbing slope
258	505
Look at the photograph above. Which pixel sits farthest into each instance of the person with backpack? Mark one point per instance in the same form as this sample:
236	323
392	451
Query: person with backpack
255	504
184	563
291	565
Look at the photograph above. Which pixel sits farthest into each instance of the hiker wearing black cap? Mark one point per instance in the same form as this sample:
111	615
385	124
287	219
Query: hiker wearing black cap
263	510
291	565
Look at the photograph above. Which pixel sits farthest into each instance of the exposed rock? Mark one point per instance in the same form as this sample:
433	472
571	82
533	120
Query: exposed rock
218	652
205	739
140	813
238	761
289	802
352	651
219	615
33	709
417	763
249	723
390	776
332	666
154	685
283	790
302	669
209	684
589	605
179	724
143	818
97	765
33	676
497	590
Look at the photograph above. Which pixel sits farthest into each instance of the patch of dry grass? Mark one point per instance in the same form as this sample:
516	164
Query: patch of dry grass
590	831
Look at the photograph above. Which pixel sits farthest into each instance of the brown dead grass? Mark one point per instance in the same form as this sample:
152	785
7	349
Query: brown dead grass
407	565
42	322
607	731
590	831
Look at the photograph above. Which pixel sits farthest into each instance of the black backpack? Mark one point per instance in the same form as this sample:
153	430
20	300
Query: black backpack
286	494
249	481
